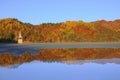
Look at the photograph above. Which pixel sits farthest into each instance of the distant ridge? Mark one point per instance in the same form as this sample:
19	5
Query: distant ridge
69	31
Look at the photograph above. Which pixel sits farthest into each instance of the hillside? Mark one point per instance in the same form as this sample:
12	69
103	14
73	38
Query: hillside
69	31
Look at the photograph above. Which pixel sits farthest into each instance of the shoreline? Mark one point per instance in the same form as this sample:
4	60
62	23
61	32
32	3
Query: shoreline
66	45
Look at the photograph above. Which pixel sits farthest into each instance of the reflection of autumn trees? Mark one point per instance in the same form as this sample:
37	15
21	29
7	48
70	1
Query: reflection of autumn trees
69	31
77	54
9	58
50	55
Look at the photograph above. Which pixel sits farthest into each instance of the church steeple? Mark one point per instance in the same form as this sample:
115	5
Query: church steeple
20	38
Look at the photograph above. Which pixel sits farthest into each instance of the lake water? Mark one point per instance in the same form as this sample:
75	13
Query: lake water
68	62
34	48
80	70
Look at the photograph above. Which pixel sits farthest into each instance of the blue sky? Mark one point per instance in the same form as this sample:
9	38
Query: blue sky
43	11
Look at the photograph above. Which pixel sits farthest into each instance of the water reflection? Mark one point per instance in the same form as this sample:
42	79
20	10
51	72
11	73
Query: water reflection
75	62
63	55
62	64
37	70
18	49
97	61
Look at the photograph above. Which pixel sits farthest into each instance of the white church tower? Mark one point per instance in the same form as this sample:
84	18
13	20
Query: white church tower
20	38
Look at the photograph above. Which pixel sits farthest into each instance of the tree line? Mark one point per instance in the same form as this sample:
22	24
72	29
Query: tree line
69	31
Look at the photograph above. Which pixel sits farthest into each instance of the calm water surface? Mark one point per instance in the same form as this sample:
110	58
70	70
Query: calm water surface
34	48
99	69
78	70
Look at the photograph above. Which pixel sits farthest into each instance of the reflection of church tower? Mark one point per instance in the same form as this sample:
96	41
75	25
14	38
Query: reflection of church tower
20	39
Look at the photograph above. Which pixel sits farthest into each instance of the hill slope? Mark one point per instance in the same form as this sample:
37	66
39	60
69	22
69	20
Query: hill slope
69	31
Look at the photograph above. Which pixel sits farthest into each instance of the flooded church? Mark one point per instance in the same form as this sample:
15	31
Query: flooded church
20	38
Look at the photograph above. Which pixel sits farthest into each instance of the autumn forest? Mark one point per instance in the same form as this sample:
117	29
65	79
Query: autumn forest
69	31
